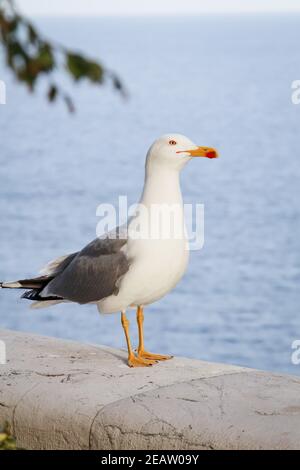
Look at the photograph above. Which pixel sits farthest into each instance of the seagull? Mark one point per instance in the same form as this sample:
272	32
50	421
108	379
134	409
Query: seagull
139	262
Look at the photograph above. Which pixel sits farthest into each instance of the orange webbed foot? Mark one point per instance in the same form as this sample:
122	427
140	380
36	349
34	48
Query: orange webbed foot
137	361
152	356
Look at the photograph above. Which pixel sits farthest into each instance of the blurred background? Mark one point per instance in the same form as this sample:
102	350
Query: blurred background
219	72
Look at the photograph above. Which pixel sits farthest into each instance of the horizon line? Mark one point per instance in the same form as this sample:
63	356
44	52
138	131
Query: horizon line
161	14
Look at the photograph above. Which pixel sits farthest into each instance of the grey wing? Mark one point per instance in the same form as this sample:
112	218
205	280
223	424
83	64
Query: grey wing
92	274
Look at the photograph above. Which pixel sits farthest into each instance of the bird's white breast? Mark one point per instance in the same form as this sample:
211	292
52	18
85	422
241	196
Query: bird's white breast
157	269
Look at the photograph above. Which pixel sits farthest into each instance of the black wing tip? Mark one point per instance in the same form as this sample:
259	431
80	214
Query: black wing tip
35	295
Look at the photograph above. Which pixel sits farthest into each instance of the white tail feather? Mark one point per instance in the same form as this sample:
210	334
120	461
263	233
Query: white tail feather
12	285
45	303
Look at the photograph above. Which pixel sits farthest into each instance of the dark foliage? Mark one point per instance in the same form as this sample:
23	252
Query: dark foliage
29	56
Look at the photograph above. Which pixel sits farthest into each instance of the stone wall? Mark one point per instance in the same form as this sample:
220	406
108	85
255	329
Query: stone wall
65	395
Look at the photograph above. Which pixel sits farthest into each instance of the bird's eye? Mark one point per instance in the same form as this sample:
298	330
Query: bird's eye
172	142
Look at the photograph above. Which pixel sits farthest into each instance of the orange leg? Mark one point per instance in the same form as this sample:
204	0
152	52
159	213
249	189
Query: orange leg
133	361
141	353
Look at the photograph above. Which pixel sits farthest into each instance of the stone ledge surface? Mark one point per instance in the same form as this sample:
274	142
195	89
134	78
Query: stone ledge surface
60	394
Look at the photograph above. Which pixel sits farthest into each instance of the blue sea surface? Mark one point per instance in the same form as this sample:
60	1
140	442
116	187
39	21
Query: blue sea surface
224	81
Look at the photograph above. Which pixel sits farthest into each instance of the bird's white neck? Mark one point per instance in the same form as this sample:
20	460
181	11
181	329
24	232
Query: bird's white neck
162	186
160	213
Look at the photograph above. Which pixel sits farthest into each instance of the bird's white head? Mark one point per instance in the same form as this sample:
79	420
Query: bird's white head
174	151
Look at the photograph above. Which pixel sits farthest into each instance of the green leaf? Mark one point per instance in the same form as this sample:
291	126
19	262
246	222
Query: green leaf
79	67
95	72
7	441
45	58
76	65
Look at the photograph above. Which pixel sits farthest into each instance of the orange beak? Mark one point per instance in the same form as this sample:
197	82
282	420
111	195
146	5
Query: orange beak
201	152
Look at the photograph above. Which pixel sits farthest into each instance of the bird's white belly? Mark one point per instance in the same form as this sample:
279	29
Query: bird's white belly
159	271
157	266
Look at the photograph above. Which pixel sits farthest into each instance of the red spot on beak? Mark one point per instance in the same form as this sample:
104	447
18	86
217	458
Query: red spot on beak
211	154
